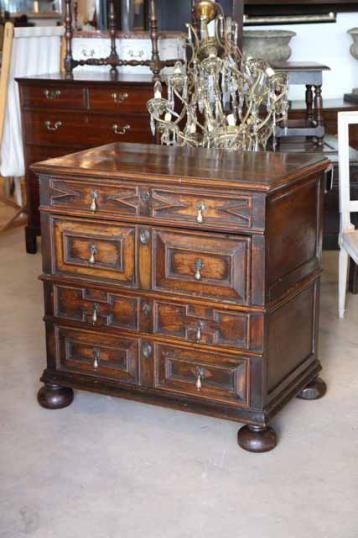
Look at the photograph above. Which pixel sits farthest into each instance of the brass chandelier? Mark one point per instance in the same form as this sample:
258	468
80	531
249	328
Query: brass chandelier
218	98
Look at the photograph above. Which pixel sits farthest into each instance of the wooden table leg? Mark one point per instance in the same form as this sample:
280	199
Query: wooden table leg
309	103
318	105
353	277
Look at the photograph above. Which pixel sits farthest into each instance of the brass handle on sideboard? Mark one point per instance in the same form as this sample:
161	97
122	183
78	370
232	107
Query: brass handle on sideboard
119	97
52	94
53	126
120	130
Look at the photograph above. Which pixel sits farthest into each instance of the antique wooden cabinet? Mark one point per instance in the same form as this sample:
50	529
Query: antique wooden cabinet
61	115
185	278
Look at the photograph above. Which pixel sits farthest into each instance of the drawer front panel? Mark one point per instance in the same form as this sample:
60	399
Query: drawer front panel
96	308
209	325
95	250
120	128
200	324
214	211
98	355
56	128
206	375
94	198
53	96
121	99
219	211
59	128
195	264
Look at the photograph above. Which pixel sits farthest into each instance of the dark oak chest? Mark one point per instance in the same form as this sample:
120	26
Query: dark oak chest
185	278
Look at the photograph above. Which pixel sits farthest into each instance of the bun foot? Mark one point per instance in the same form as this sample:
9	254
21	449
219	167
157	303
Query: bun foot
314	390
54	396
257	438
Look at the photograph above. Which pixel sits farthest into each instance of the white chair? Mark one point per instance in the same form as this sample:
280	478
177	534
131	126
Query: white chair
26	52
348	237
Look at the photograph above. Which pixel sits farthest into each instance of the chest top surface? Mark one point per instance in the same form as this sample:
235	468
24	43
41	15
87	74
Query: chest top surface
258	171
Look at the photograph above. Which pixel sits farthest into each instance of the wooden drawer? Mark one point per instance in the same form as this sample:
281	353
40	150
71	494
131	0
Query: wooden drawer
208	325
123	99
200	324
98	355
212	210
198	264
60	128
202	374
95	250
96	308
192	208
120	128
53	96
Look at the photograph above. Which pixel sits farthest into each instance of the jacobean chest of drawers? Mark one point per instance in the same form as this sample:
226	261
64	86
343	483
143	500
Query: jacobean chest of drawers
185	278
61	115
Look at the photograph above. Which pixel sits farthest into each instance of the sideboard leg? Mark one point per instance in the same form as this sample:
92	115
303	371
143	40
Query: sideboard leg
314	390
31	241
257	438
54	397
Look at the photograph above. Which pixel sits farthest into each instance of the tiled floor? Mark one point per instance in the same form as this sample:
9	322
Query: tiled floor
110	468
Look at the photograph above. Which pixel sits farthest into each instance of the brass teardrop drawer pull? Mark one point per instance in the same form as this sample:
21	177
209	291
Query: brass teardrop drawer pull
200	215
94	198
96	358
120	130
200	376
93	252
199	265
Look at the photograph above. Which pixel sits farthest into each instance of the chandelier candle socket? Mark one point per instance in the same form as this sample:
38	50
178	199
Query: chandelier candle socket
218	98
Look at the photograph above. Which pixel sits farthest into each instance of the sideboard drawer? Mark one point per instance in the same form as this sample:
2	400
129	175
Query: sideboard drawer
59	128
56	128
120	128
53	96
97	354
95	250
196	264
124	99
222	378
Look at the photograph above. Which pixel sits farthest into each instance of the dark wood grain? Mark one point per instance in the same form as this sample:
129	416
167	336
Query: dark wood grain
185	278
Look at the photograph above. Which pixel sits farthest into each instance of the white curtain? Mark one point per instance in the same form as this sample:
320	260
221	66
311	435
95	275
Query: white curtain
36	51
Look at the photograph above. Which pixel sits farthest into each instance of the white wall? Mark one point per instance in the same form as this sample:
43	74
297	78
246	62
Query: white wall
326	43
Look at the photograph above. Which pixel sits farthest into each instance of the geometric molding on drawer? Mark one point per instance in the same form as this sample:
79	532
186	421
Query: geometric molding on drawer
222	378
208	325
241	209
202	266
97	354
86	305
96	250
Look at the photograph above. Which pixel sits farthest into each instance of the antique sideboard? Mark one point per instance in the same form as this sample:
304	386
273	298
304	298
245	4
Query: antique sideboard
61	115
184	278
